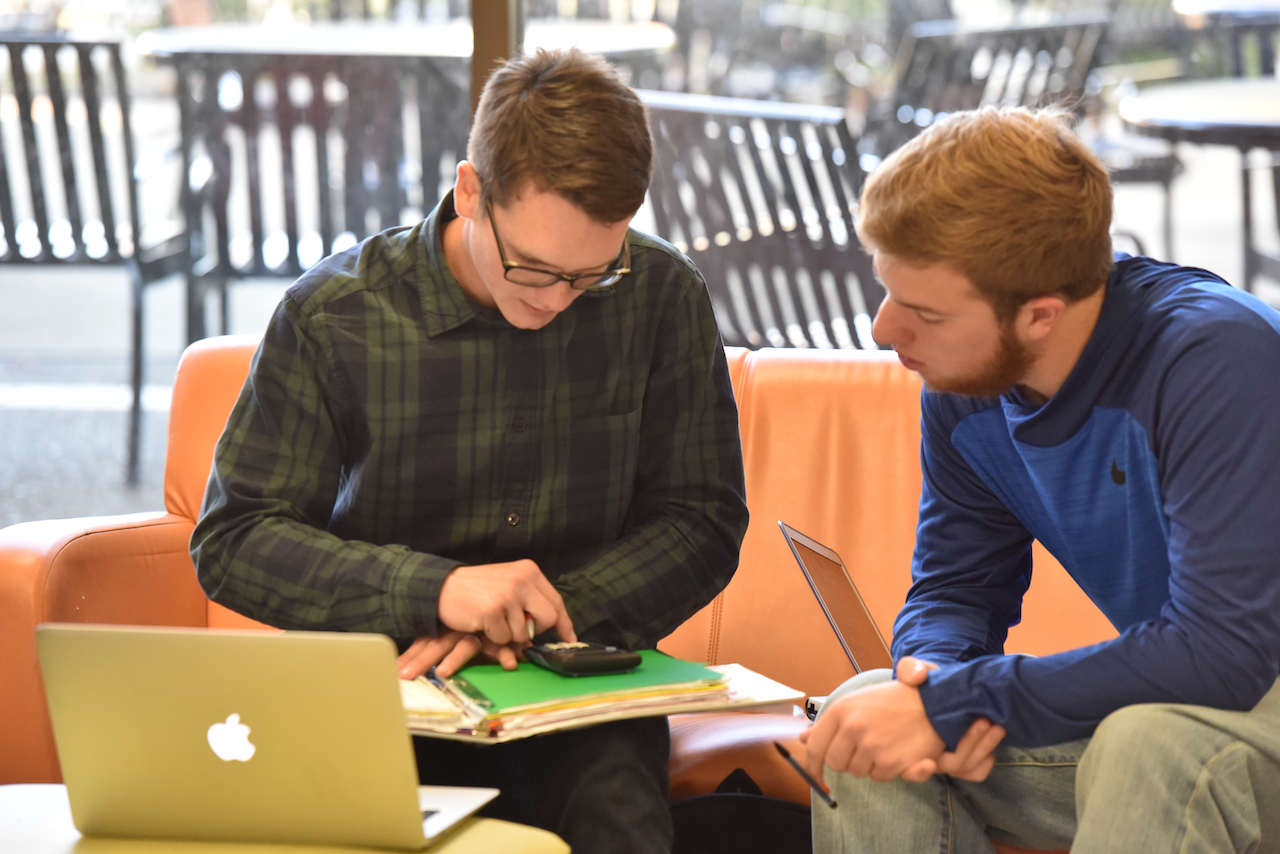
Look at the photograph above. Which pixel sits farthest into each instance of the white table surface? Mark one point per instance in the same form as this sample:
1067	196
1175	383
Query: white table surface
36	819
389	38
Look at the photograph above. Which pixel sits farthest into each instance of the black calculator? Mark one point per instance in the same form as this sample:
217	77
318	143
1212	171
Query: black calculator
583	659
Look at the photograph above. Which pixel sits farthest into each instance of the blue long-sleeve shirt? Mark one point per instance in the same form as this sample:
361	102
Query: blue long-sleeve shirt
1153	475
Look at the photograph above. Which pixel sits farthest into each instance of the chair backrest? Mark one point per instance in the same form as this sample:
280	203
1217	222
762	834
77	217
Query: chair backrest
67	187
944	66
292	157
206	386
762	197
210	376
831	445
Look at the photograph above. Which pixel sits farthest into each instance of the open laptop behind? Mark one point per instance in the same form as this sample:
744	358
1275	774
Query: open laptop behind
239	736
840	601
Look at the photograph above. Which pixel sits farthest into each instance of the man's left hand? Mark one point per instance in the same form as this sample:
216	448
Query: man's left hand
448	652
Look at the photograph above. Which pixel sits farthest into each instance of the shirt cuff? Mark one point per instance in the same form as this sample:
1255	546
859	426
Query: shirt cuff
415	594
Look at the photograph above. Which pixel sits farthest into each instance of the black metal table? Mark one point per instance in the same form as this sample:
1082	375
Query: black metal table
1243	113
301	139
298	141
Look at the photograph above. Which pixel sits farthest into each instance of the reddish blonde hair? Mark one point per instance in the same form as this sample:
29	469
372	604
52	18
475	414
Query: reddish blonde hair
1010	198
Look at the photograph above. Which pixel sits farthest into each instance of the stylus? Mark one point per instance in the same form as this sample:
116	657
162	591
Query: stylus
813	784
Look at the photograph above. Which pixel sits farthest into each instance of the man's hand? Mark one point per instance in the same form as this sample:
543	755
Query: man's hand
880	732
447	653
974	756
497	600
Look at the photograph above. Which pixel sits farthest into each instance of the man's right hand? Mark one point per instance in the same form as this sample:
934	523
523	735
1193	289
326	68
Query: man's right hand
497	600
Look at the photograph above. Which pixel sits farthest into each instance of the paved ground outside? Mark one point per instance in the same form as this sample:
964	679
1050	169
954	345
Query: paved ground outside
64	349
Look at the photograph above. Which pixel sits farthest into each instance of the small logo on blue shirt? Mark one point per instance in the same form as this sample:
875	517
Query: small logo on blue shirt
1116	474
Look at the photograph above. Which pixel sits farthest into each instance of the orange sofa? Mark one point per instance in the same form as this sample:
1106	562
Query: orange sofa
831	446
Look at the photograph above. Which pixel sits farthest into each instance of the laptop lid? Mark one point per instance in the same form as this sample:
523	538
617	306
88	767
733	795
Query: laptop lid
840	601
235	735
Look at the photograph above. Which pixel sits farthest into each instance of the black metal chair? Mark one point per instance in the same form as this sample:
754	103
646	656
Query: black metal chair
762	197
943	67
293	157
77	200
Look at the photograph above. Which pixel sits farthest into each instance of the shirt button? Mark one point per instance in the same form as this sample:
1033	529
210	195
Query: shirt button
513	519
519	425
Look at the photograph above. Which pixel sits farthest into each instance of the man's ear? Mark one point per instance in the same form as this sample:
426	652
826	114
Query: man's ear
1040	316
466	191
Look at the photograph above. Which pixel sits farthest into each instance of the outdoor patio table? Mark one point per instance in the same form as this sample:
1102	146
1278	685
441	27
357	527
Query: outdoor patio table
370	59
1243	113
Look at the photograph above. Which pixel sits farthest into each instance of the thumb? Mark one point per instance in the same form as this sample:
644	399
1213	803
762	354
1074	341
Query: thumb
913	671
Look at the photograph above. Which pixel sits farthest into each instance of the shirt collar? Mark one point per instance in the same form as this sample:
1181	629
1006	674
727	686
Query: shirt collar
444	304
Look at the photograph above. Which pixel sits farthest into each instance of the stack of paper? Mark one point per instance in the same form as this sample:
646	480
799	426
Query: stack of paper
487	703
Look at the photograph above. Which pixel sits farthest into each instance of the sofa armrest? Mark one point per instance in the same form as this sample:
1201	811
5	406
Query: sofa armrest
132	569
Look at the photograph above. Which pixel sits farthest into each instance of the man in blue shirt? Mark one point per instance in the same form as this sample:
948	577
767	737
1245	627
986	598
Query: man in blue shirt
1123	412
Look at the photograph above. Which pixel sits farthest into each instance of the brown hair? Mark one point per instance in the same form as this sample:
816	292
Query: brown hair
1010	198
563	121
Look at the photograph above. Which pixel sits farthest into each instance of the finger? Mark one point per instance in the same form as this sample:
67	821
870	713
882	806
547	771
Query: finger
965	748
506	656
975	755
859	762
913	671
517	623
992	739
556	615
984	756
548	615
983	737
564	628
910	673
816	741
463	651
546	589
505	623
422	655
921	771
548	611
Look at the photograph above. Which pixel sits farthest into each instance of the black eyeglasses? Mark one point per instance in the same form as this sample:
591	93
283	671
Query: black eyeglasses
533	277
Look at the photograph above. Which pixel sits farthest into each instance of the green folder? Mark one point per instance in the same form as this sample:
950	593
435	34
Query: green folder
498	691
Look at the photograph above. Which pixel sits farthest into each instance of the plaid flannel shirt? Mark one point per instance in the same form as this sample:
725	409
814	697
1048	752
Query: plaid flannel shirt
391	430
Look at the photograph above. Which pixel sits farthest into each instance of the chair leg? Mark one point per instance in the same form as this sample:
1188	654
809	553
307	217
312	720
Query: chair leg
134	439
1168	220
224	307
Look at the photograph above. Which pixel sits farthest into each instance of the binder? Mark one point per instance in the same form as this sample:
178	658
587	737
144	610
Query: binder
493	705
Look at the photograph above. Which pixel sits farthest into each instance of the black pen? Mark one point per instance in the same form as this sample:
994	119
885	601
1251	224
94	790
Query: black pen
813	784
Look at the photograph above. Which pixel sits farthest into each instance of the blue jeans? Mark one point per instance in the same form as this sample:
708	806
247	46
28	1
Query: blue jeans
1156	777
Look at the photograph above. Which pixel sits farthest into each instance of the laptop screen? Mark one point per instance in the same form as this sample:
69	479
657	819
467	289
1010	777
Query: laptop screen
839	598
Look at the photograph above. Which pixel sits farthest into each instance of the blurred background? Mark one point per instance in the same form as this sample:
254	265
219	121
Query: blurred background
67	331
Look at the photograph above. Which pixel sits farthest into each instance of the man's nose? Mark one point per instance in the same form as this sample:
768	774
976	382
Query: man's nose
559	296
887	329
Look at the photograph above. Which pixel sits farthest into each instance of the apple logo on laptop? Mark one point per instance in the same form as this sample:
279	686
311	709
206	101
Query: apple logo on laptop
230	740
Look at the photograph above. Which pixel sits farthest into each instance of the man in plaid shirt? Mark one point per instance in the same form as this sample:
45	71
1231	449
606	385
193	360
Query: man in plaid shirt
518	409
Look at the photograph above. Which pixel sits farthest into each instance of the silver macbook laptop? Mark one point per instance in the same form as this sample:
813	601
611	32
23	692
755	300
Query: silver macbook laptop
231	735
840	601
